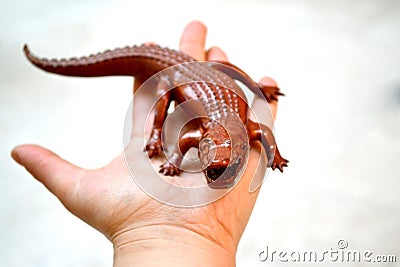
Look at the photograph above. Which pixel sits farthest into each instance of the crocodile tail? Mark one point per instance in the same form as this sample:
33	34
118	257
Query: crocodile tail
128	61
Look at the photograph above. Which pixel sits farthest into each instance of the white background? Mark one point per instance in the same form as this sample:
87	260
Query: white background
339	125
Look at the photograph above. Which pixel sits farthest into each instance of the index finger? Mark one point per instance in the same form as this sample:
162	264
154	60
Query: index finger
193	40
260	102
267	81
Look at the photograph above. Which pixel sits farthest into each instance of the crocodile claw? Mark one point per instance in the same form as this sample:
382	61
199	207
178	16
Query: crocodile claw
154	148
169	169
271	93
279	163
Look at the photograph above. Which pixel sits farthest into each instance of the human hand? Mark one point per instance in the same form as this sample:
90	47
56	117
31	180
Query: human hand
141	228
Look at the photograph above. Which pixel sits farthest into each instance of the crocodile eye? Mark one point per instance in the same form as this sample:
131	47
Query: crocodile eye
227	143
243	147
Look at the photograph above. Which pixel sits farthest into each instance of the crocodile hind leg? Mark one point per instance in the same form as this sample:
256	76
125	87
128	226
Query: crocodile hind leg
271	93
263	134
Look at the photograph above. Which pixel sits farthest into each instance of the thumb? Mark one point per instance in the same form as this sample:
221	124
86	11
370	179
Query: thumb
59	176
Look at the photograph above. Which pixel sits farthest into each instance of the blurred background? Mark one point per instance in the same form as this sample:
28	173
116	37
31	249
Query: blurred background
338	62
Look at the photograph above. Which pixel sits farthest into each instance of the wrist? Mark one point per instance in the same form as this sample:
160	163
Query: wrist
169	246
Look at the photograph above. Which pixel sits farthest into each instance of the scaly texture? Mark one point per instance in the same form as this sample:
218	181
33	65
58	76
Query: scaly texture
223	130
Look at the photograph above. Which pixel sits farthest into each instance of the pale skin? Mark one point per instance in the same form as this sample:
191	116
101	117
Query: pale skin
145	232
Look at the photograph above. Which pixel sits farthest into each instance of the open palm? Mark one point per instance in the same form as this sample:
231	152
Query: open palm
109	200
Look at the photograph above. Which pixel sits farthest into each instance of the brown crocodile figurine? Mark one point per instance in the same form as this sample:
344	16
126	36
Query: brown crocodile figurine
221	129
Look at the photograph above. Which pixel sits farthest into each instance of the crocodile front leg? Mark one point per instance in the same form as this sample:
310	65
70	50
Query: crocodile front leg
154	144
189	137
263	134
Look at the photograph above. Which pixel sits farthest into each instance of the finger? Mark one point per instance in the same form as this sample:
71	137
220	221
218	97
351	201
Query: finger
58	175
150	43
193	40
267	81
216	54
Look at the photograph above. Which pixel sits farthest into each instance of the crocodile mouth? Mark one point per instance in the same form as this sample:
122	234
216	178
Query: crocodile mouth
222	177
215	180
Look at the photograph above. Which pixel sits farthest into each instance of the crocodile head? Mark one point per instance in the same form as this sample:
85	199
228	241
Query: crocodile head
222	157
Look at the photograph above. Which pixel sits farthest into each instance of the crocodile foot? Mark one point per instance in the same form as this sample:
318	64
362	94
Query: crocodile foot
279	163
169	169
271	93
154	148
